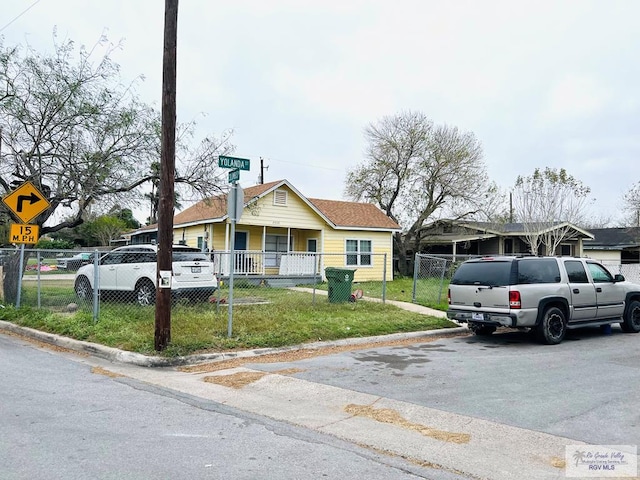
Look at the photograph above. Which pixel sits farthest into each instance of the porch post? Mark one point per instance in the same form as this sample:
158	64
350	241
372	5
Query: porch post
455	249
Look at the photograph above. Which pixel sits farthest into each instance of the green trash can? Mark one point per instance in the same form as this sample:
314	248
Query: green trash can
339	280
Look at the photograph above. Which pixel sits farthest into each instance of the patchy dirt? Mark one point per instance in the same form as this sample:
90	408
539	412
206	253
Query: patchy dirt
558	462
105	372
387	415
235	380
242	379
301	354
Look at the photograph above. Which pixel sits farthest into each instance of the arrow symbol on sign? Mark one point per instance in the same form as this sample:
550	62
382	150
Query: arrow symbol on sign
33	198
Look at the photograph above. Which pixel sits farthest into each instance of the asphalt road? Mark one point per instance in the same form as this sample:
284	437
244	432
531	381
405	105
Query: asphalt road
63	418
585	389
499	408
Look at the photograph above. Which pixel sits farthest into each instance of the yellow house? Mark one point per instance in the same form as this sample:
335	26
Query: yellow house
283	234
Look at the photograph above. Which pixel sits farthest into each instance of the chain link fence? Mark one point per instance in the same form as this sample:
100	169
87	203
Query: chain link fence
631	271
65	281
431	276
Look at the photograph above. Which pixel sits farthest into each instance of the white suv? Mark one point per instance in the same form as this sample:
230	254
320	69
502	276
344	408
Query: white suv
131	271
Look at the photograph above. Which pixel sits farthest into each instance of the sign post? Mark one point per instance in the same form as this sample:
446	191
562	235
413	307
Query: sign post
235	205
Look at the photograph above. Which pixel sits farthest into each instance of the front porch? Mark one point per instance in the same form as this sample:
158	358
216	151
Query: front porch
270	268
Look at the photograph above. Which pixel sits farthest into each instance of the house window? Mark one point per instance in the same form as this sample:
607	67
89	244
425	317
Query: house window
280	197
200	242
565	250
312	245
359	252
274	247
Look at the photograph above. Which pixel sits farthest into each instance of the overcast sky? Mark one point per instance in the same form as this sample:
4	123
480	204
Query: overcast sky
540	83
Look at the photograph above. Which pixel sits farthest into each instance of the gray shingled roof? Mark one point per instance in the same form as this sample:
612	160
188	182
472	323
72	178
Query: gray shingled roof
624	237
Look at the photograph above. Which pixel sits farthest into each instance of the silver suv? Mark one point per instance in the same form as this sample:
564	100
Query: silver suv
131	272
547	295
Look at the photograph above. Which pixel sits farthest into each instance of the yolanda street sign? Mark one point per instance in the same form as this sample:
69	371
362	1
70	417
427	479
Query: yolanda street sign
234	162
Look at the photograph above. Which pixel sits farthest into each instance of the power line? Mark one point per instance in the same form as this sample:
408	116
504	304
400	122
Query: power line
21	14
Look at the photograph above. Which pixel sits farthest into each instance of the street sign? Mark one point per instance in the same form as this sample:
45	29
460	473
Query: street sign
24	233
234	175
234	162
26	202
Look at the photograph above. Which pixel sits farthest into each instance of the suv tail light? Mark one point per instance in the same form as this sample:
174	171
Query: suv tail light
514	299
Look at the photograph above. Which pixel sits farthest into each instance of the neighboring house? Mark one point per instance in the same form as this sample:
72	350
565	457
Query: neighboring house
281	231
457	237
614	245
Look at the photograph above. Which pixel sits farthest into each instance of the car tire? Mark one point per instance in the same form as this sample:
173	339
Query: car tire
145	293
631	323
83	289
552	327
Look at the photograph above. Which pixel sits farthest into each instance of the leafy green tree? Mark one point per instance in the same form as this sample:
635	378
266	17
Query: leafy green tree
415	171
106	228
82	136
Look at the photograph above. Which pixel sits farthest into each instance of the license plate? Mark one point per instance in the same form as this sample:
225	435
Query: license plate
195	269
477	316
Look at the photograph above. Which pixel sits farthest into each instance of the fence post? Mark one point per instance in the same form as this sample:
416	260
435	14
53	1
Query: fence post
416	262
96	286
315	273
39	286
444	269
20	274
384	279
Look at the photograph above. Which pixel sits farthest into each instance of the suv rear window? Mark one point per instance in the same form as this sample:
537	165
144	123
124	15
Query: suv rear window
538	270
195	256
483	273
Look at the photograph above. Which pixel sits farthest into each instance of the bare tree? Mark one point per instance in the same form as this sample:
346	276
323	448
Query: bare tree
631	201
414	170
548	203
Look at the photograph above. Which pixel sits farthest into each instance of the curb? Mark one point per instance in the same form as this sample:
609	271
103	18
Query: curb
123	356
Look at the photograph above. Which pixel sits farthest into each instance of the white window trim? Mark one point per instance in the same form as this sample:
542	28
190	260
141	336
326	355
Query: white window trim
358	253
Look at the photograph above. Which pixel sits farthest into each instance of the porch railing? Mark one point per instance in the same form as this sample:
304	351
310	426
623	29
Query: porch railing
251	262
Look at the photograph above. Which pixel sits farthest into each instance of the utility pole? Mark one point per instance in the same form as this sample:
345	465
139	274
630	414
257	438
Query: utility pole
262	169
167	177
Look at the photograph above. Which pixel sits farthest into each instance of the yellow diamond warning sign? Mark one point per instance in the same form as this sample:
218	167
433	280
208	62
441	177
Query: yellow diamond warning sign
24	233
26	202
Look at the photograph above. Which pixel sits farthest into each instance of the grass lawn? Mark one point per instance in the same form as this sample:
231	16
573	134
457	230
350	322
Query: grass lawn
285	318
428	291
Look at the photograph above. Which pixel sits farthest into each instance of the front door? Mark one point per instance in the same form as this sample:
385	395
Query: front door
240	241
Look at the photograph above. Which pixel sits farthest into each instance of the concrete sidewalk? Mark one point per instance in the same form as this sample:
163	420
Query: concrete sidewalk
412	307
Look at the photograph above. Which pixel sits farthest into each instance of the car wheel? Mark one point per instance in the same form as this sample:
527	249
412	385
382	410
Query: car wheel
552	327
83	289
631	323
145	293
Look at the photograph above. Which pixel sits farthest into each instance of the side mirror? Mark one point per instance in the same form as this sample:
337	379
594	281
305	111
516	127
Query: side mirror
618	277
